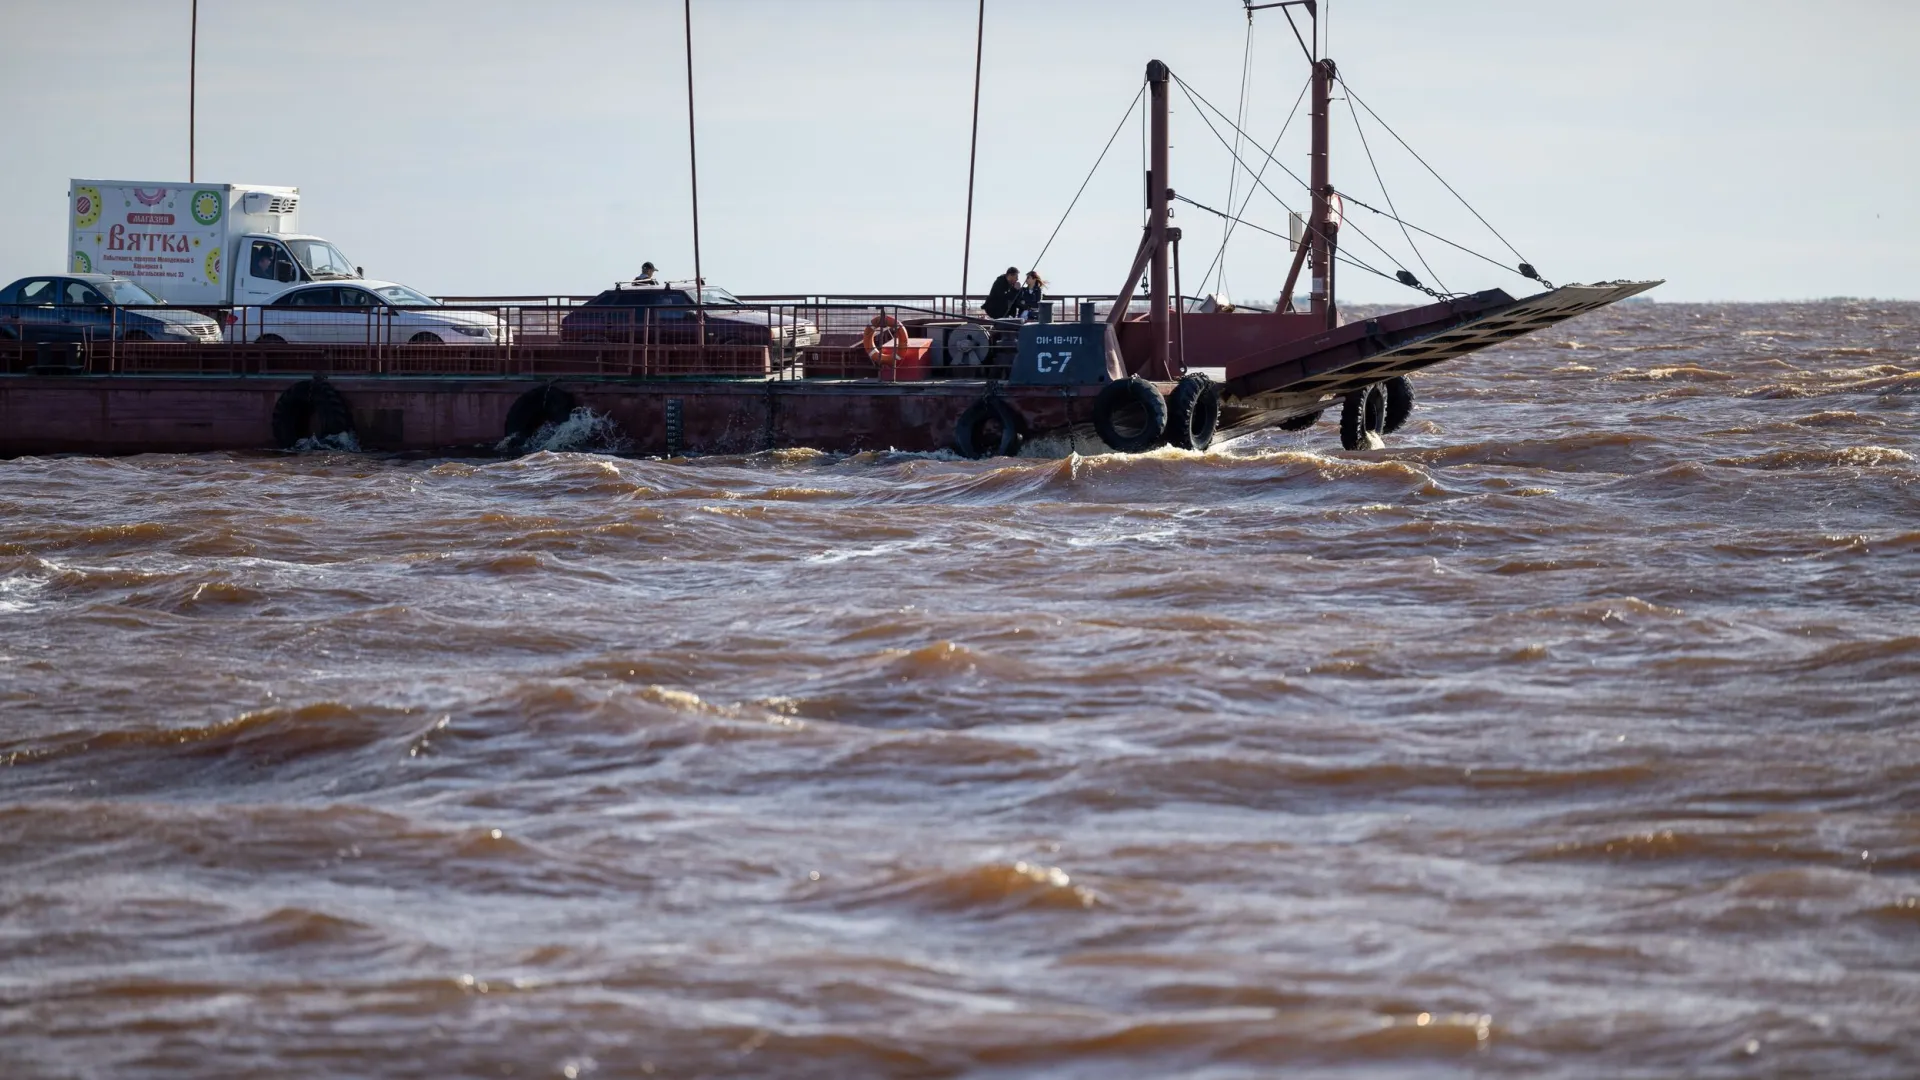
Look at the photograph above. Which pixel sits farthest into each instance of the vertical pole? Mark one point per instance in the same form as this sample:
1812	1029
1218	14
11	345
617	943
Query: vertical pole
693	164
973	152
1326	231
1157	189
1319	231
1180	309
193	82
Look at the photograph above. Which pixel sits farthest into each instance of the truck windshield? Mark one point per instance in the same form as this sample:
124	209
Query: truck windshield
712	295
321	259
401	296
126	292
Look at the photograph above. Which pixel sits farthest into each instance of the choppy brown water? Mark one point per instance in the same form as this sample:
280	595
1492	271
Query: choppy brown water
1572	736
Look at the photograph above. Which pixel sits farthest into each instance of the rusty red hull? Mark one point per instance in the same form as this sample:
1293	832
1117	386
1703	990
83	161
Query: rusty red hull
156	414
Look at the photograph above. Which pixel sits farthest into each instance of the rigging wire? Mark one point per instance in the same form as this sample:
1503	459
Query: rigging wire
1525	269
1144	211
1353	97
1408	281
1220	255
1488	259
1338	255
1360	131
1233	170
1117	128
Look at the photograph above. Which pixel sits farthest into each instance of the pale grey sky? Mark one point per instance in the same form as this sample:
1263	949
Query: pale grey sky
1742	149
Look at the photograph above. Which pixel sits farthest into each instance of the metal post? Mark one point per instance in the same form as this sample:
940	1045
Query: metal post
1320	230
973	153
193	83
1180	309
1157	192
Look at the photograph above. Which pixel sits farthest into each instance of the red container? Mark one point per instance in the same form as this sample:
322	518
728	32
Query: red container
911	362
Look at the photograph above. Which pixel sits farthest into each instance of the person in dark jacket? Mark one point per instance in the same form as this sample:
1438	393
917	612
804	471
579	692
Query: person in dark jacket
1026	302
999	303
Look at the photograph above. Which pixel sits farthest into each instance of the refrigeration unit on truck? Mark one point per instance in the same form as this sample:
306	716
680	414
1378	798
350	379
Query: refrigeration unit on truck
205	245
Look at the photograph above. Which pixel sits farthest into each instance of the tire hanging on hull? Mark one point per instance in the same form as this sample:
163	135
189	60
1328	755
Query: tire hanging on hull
1399	403
536	409
311	409
991	427
1362	413
1193	412
1130	415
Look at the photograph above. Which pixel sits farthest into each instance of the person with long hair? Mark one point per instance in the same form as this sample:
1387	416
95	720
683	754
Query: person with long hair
1026	303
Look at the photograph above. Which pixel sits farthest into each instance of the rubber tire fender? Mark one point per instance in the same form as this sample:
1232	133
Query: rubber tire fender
312	407
1301	422
1399	403
537	408
1361	412
1193	412
970	430
1131	393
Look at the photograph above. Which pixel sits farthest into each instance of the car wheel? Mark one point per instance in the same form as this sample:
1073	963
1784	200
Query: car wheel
270	339
424	338
136	335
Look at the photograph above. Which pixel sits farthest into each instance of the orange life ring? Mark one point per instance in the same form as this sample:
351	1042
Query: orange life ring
888	354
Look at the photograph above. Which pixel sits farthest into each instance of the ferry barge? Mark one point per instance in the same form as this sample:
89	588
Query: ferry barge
833	373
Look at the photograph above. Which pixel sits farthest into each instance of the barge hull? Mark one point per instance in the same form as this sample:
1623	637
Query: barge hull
112	415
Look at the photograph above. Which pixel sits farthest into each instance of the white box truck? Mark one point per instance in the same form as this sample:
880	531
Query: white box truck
204	245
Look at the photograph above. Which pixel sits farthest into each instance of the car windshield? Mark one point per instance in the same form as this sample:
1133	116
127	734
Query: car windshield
321	259
711	295
126	292
401	296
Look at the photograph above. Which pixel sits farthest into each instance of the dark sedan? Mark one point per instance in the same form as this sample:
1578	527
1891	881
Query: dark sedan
95	307
667	315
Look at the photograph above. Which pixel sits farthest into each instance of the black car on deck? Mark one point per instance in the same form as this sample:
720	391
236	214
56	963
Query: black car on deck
656	314
95	307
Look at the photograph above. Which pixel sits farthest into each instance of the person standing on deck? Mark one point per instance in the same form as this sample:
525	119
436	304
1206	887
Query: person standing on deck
646	275
999	303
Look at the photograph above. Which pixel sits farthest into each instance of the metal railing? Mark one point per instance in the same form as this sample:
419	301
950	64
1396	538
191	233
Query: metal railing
762	337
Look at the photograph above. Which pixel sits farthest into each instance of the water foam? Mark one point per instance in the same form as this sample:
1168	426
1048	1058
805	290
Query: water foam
582	431
345	442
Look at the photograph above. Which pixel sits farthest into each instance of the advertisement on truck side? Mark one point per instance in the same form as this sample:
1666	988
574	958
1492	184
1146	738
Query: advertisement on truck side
171	237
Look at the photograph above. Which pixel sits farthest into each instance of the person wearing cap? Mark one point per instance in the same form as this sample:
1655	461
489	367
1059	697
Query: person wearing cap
646	275
1000	298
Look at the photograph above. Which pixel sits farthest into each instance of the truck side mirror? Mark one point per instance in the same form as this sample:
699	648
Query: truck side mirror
359	273
283	272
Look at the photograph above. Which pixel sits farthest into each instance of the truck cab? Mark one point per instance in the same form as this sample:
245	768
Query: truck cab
268	264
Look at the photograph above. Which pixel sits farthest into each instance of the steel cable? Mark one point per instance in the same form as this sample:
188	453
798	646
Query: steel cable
1083	184
1353	97
1221	254
1358	130
1522	270
1193	97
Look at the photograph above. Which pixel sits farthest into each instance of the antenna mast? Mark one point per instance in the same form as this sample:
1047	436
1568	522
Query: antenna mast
1323	232
973	153
693	157
193	82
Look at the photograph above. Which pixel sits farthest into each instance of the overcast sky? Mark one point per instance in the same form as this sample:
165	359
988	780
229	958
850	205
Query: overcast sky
1741	149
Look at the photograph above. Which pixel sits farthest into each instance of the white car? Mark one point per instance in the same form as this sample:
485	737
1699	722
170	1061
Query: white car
364	312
